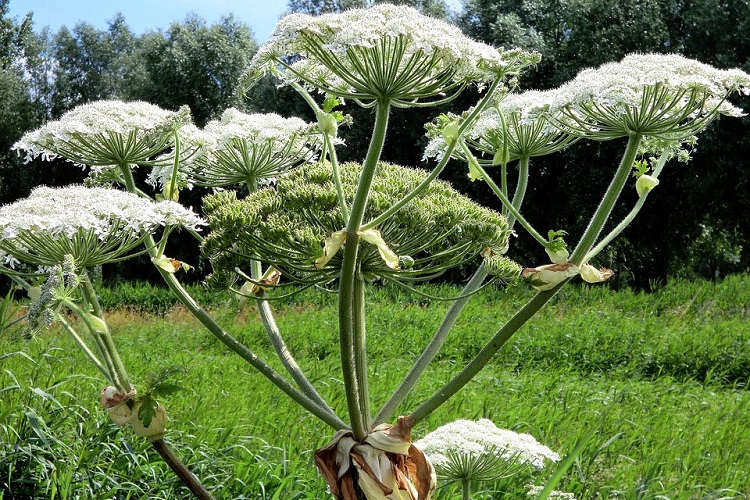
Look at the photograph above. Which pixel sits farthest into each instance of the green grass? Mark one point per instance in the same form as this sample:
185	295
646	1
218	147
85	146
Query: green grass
660	379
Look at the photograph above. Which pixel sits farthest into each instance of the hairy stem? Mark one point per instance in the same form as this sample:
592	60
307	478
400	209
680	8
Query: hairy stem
348	316
608	201
429	352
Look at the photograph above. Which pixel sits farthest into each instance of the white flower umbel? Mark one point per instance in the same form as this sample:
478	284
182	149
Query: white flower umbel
648	94
105	134
248	148
383	52
516	127
94	225
478	438
193	144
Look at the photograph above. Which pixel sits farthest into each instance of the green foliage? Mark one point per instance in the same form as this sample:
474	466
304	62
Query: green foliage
148	298
671	432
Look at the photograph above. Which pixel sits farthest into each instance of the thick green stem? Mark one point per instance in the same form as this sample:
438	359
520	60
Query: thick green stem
429	352
628	218
360	347
89	294
465	489
608	201
485	355
520	192
347	314
346	343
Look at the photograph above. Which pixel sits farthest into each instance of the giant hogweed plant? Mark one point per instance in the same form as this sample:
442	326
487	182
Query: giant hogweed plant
286	215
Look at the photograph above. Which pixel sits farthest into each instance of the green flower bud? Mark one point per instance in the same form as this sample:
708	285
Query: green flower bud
502	267
405	262
558	256
450	131
475	172
156	419
502	156
645	183
327	124
590	274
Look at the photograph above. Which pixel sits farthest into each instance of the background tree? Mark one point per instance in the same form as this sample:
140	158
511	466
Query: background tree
196	64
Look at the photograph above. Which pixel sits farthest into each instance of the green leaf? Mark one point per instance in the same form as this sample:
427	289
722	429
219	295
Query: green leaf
147	411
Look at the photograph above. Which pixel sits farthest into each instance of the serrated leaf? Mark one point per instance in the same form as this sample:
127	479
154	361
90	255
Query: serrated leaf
166	388
147	411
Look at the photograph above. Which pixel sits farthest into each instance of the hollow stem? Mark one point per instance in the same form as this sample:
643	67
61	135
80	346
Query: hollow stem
608	201
432	348
465	489
520	192
360	347
348	315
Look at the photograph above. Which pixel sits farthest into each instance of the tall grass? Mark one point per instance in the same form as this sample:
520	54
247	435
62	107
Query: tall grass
660	380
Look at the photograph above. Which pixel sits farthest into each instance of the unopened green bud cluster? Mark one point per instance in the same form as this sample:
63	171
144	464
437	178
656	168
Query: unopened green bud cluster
286	227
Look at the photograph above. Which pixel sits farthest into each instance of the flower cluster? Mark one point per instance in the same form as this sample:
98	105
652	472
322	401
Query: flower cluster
478	438
667	97
385	51
650	94
517	126
105	134
252	147
291	227
94	225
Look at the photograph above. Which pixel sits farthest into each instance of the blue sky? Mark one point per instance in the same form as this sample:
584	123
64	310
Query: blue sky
260	15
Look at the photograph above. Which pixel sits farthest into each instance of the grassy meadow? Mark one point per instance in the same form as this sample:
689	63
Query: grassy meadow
656	383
